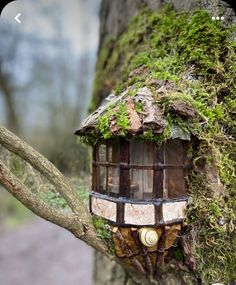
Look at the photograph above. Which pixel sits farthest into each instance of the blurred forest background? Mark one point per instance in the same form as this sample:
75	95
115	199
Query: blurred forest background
47	66
46	71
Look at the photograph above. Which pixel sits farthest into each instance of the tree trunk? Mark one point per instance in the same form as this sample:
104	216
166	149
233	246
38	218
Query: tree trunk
11	114
115	16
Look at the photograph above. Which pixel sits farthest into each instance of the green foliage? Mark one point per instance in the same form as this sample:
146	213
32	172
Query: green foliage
81	186
52	198
197	55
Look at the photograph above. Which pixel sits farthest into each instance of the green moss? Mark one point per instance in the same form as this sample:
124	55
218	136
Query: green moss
138	107
121	113
197	56
118	112
103	231
104	125
211	220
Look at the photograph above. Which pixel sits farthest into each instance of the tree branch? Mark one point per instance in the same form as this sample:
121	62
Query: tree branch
71	221
45	167
80	224
11	183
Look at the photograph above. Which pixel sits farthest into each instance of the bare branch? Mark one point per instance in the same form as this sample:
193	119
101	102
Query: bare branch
21	193
79	223
69	221
45	167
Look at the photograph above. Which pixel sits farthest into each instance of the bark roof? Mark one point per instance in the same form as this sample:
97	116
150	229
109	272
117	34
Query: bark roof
150	115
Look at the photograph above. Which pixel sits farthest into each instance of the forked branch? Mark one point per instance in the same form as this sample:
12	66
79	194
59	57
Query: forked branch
13	185
45	167
78	222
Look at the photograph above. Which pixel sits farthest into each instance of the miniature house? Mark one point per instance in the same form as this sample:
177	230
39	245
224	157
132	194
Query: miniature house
135	180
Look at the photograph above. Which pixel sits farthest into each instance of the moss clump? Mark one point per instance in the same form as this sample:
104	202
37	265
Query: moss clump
103	231
197	55
119	113
102	228
138	107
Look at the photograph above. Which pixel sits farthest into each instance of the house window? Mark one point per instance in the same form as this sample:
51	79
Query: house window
140	169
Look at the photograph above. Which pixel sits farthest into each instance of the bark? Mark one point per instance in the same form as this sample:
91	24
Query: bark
111	273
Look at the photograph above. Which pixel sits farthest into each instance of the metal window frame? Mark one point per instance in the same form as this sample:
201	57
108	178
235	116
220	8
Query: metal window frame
124	166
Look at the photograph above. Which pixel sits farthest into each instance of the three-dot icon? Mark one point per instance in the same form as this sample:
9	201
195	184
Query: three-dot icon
218	18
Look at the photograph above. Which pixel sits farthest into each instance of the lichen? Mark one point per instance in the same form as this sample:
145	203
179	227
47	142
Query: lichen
197	55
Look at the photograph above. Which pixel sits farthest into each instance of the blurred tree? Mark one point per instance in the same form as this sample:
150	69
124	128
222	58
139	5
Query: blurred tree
7	86
7	92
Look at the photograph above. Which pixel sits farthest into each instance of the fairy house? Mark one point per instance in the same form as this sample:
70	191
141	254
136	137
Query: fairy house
139	171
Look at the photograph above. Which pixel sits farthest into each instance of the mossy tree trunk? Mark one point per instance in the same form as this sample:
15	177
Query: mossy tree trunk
117	59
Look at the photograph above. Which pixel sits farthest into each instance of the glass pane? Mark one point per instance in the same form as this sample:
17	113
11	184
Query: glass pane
102	178
113	181
102	152
114	152
174	183
174	152
141	184
141	152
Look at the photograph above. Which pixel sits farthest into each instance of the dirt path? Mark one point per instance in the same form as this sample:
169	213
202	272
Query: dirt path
40	253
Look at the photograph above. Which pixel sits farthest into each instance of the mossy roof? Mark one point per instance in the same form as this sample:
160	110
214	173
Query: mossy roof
135	112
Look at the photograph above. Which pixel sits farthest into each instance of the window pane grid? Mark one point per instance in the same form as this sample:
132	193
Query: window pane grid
136	166
140	170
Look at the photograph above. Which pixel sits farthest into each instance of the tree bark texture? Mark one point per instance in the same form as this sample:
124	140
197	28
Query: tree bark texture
114	19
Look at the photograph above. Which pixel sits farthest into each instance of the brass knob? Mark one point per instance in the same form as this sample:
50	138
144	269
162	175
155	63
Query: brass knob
148	237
